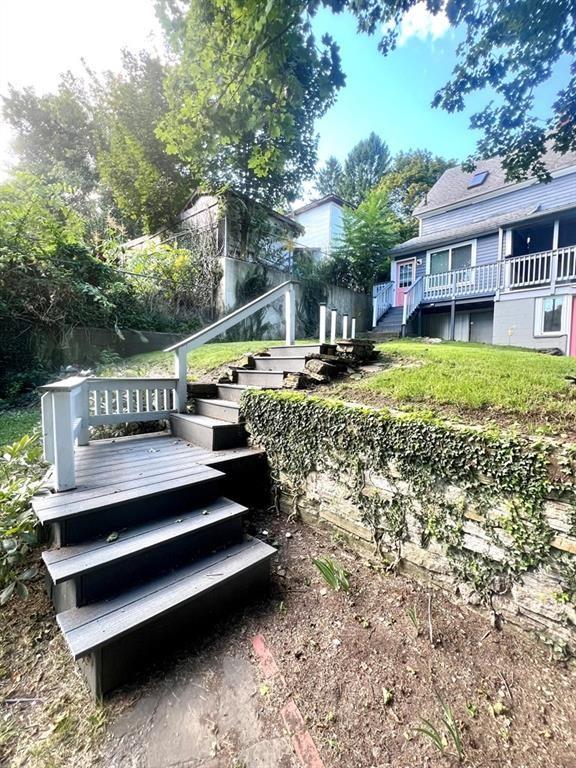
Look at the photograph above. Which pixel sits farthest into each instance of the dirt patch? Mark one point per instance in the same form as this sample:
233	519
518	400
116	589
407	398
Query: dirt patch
360	667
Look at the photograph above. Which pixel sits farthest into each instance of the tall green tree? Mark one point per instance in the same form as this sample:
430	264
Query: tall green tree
412	174
148	185
329	178
369	232
249	83
365	165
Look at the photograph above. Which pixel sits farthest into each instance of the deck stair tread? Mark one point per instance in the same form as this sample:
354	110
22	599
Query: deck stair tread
205	421
52	508
98	624
69	562
218	401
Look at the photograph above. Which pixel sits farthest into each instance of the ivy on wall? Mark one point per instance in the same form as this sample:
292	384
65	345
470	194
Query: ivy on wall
437	473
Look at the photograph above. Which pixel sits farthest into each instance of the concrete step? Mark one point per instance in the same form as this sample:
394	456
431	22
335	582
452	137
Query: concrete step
207	432
101	568
231	392
289	364
114	638
263	379
218	408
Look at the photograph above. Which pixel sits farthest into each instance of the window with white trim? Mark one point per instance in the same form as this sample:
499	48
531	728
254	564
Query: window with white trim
551	316
455	257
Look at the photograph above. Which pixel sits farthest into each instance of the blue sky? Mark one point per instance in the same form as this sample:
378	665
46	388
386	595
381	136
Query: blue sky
392	95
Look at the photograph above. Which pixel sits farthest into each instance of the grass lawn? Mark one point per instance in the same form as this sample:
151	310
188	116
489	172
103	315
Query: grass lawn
476	378
15	424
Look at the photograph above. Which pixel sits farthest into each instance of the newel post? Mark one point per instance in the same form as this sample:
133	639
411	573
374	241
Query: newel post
63	441
353	331
290	314
345	327
180	371
333	316
322	323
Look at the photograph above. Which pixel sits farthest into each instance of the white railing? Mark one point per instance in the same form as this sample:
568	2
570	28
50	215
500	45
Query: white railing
180	350
412	300
458	283
539	269
382	300
71	406
566	265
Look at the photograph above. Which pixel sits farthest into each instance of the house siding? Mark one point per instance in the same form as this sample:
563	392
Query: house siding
514	326
316	223
558	193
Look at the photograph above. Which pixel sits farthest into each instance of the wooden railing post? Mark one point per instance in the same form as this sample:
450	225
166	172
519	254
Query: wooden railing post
290	314
48	426
344	327
180	372
322	323
353	331
64	469
333	317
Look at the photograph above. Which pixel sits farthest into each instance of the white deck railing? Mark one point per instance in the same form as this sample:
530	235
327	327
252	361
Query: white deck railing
472	281
382	300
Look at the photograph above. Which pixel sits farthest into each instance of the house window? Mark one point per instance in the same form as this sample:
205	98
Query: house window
456	257
551	315
405	275
478	179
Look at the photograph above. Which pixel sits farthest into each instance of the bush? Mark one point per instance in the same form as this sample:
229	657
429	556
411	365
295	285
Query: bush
21	471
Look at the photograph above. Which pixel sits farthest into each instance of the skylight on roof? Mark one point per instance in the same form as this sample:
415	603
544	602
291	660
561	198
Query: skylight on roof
478	179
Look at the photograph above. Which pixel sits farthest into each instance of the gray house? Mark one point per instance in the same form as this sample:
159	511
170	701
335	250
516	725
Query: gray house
493	262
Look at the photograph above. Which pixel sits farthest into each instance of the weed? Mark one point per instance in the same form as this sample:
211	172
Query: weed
413	616
450	733
333	574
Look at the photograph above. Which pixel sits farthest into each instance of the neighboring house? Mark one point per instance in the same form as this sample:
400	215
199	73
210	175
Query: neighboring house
494	261
322	222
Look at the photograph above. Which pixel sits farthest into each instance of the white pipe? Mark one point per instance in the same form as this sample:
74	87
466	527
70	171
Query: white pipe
353	332
333	316
344	326
322	323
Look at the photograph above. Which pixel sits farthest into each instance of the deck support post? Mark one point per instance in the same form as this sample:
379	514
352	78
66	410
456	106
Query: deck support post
333	316
345	327
452	320
322	323
353	329
63	448
180	371
290	314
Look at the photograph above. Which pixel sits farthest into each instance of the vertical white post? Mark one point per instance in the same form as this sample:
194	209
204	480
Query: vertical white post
48	426
84	433
353	331
374	306
333	316
322	323
290	315
344	327
64	469
180	371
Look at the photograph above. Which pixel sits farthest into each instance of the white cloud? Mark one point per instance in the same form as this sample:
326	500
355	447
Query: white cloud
420	23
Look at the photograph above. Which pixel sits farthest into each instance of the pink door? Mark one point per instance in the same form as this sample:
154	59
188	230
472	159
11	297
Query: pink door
573	329
405	275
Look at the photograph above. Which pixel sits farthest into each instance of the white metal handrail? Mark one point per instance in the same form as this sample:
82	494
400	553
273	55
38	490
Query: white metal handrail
412	299
284	290
382	300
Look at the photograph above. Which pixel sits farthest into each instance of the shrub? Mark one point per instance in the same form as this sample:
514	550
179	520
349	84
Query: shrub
21	471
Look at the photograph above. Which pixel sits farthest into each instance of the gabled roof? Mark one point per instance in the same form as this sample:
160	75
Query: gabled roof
322	201
453	186
473	229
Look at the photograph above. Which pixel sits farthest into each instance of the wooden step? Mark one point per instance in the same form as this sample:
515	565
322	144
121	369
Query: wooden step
100	569
302	350
217	408
263	379
207	432
114	637
289	364
231	391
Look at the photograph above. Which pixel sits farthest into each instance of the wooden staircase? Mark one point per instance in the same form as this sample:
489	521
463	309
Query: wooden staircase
151	542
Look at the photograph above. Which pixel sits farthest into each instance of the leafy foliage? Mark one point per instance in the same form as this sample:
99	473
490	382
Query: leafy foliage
369	232
330	177
21	471
364	167
249	82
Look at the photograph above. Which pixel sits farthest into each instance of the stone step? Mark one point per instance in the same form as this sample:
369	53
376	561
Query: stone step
101	568
288	364
207	432
218	408
114	638
263	379
296	350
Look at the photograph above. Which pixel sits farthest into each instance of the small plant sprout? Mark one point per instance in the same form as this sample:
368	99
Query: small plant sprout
333	574
387	696
413	616
447	734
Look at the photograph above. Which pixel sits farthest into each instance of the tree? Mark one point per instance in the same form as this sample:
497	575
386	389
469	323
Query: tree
55	135
148	185
249	83
365	165
411	175
363	253
329	178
